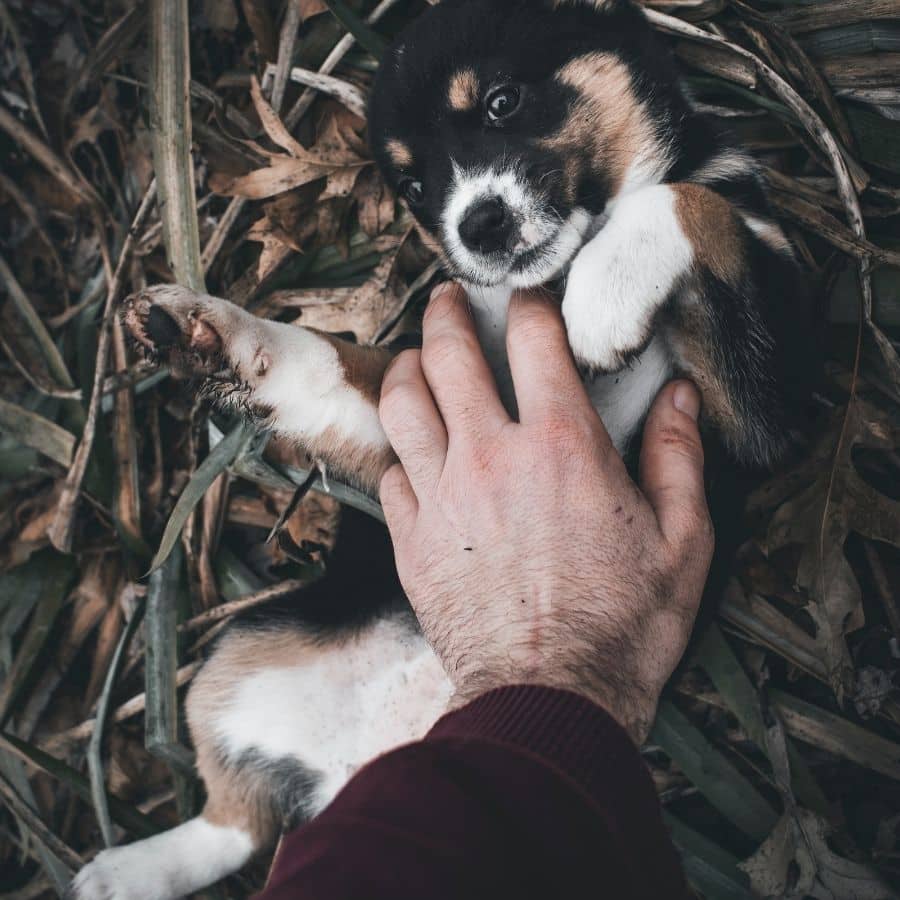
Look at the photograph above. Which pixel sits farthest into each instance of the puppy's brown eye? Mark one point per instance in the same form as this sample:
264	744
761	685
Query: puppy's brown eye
502	102
413	191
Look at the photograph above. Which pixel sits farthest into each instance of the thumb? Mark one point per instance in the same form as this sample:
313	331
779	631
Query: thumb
671	467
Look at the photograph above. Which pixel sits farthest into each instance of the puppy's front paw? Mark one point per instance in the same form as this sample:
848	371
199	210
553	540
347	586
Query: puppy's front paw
120	873
172	323
606	326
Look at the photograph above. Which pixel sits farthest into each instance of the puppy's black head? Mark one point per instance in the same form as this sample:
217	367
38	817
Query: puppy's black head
507	126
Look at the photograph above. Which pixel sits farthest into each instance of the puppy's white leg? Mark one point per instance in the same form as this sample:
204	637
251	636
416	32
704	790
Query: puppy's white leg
312	388
165	866
623	276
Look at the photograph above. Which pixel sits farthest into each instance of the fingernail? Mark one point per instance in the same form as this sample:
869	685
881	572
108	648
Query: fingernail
442	289
687	399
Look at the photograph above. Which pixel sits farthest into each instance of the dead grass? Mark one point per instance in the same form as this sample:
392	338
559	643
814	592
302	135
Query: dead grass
779	743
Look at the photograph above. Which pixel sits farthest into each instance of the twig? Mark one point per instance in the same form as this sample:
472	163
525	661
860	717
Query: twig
217	239
38	827
232	608
348	94
60	532
286	43
130	708
340	50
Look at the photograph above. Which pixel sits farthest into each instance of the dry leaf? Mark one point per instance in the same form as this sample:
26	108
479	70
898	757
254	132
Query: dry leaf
283	174
377	207
361	310
310	8
272	124
340	183
821	517
796	862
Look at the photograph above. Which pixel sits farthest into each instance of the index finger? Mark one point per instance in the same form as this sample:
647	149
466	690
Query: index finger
457	372
544	373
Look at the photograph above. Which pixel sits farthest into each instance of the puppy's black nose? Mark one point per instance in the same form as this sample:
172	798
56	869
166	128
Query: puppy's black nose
487	226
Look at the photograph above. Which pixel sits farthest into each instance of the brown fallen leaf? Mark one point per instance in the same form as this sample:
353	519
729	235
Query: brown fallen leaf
310	8
796	862
376	205
820	518
361	310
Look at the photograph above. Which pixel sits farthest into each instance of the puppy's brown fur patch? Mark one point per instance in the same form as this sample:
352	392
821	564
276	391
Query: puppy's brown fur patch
363	365
462	95
399	152
607	127
709	223
238	797
690	332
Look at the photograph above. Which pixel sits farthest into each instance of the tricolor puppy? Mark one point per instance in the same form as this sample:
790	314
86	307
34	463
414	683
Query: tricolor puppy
535	141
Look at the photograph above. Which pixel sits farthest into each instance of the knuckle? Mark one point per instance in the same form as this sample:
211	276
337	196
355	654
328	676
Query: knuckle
560	428
443	304
442	350
394	397
680	441
698	539
391	485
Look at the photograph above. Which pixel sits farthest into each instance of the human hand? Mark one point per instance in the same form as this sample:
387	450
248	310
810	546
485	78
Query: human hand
526	550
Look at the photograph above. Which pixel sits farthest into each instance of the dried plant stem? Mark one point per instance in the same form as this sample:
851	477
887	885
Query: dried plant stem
226	610
127	498
348	94
286	43
170	125
52	357
60	532
217	239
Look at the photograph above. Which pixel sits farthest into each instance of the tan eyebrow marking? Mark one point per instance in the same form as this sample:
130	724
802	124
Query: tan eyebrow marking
463	93
606	118
399	152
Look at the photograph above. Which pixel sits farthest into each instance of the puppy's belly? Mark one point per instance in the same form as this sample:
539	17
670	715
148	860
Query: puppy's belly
623	398
338	708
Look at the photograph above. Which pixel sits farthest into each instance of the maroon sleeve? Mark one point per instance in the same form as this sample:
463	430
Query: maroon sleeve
526	792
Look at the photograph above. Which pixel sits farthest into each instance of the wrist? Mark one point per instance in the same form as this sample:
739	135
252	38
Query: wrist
630	705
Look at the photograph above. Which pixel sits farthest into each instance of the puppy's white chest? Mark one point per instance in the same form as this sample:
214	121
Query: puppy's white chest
622	398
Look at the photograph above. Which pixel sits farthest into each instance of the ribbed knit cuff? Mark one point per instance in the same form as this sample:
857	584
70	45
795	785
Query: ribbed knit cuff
565	729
